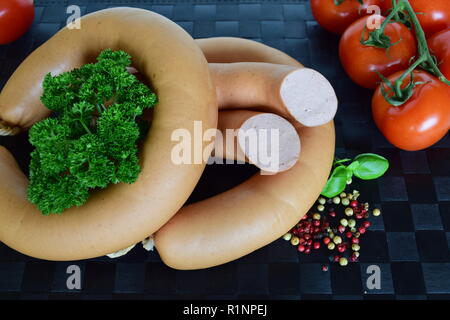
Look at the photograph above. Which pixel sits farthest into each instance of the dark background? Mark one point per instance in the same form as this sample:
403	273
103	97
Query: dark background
410	241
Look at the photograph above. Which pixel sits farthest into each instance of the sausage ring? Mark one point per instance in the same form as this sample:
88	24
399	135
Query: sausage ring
122	214
235	223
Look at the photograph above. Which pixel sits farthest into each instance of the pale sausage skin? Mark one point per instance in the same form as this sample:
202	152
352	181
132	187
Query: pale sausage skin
230	49
300	94
241	220
236	147
122	214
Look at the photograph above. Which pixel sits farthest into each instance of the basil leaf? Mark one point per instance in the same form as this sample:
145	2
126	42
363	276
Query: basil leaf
336	162
352	166
336	183
371	166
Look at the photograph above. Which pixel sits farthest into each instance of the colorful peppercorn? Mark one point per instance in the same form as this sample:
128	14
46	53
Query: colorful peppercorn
343	261
287	236
348	212
337	240
376	212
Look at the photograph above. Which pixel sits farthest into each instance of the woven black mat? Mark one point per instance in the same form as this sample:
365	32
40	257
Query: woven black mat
410	242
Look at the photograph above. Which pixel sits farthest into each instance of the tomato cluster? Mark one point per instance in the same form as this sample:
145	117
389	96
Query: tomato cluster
424	117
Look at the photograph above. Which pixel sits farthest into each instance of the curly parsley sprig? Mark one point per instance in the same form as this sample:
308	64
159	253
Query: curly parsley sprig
92	141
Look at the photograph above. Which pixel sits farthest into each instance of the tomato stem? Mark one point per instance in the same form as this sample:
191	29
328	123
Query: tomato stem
425	60
377	38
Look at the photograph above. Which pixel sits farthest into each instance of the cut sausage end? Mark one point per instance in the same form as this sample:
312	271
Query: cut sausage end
270	142
309	97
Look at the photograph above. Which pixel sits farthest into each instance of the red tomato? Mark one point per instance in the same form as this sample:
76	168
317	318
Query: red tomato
434	15
421	121
385	5
16	17
361	62
336	18
440	46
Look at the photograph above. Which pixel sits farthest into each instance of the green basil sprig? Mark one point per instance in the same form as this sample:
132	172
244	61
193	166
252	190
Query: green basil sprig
366	166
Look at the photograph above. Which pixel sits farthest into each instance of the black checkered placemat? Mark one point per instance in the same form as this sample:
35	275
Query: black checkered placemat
410	242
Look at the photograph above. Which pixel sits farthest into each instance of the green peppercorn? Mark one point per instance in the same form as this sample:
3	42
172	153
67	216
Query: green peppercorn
316	216
344	222
295	241
343	261
320	207
337	240
352	223
376	212
343	195
336	200
345	201
348	212
331	246
355	247
287	236
322	200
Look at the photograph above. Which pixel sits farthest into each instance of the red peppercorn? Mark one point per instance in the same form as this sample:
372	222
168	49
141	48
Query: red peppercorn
326	240
359	216
302	241
324	268
316	245
317	229
353	259
307	236
316	223
348	234
309	242
341	248
341	229
355	240
301	248
336	258
362	230
333	214
366	224
308	250
354	204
